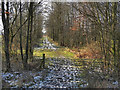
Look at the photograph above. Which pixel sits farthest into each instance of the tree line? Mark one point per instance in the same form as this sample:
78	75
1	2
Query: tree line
22	25
81	23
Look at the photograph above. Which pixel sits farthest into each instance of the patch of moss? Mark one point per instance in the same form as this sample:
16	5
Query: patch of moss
68	54
54	54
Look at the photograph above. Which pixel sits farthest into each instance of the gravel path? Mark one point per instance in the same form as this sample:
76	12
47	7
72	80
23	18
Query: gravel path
62	74
47	45
65	73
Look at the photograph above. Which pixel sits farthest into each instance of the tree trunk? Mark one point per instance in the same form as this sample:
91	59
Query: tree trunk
27	41
31	29
21	48
6	34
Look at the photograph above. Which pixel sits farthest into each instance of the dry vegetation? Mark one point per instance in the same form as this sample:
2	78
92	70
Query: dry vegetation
91	51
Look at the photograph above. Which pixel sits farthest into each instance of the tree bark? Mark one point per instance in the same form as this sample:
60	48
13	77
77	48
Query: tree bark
21	48
27	42
6	34
31	29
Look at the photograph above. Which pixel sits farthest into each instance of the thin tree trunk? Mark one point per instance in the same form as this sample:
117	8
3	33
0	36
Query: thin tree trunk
21	48
114	32
118	66
31	44
6	34
27	42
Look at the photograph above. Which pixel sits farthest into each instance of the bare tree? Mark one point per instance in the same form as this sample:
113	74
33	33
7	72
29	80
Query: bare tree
5	21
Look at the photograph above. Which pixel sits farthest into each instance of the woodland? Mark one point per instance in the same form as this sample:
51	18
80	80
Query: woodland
60	44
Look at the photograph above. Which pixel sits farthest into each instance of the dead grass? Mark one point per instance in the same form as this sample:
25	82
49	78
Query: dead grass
91	51
16	64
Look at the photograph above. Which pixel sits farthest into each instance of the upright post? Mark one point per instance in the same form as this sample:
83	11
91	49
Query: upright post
43	60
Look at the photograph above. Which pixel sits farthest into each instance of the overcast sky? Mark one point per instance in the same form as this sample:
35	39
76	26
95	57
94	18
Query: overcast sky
1	26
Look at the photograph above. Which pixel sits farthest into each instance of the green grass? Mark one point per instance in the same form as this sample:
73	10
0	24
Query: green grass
41	44
68	54
54	54
61	52
1	43
0	36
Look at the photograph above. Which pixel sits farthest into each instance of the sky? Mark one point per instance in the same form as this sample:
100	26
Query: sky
1	25
45	6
